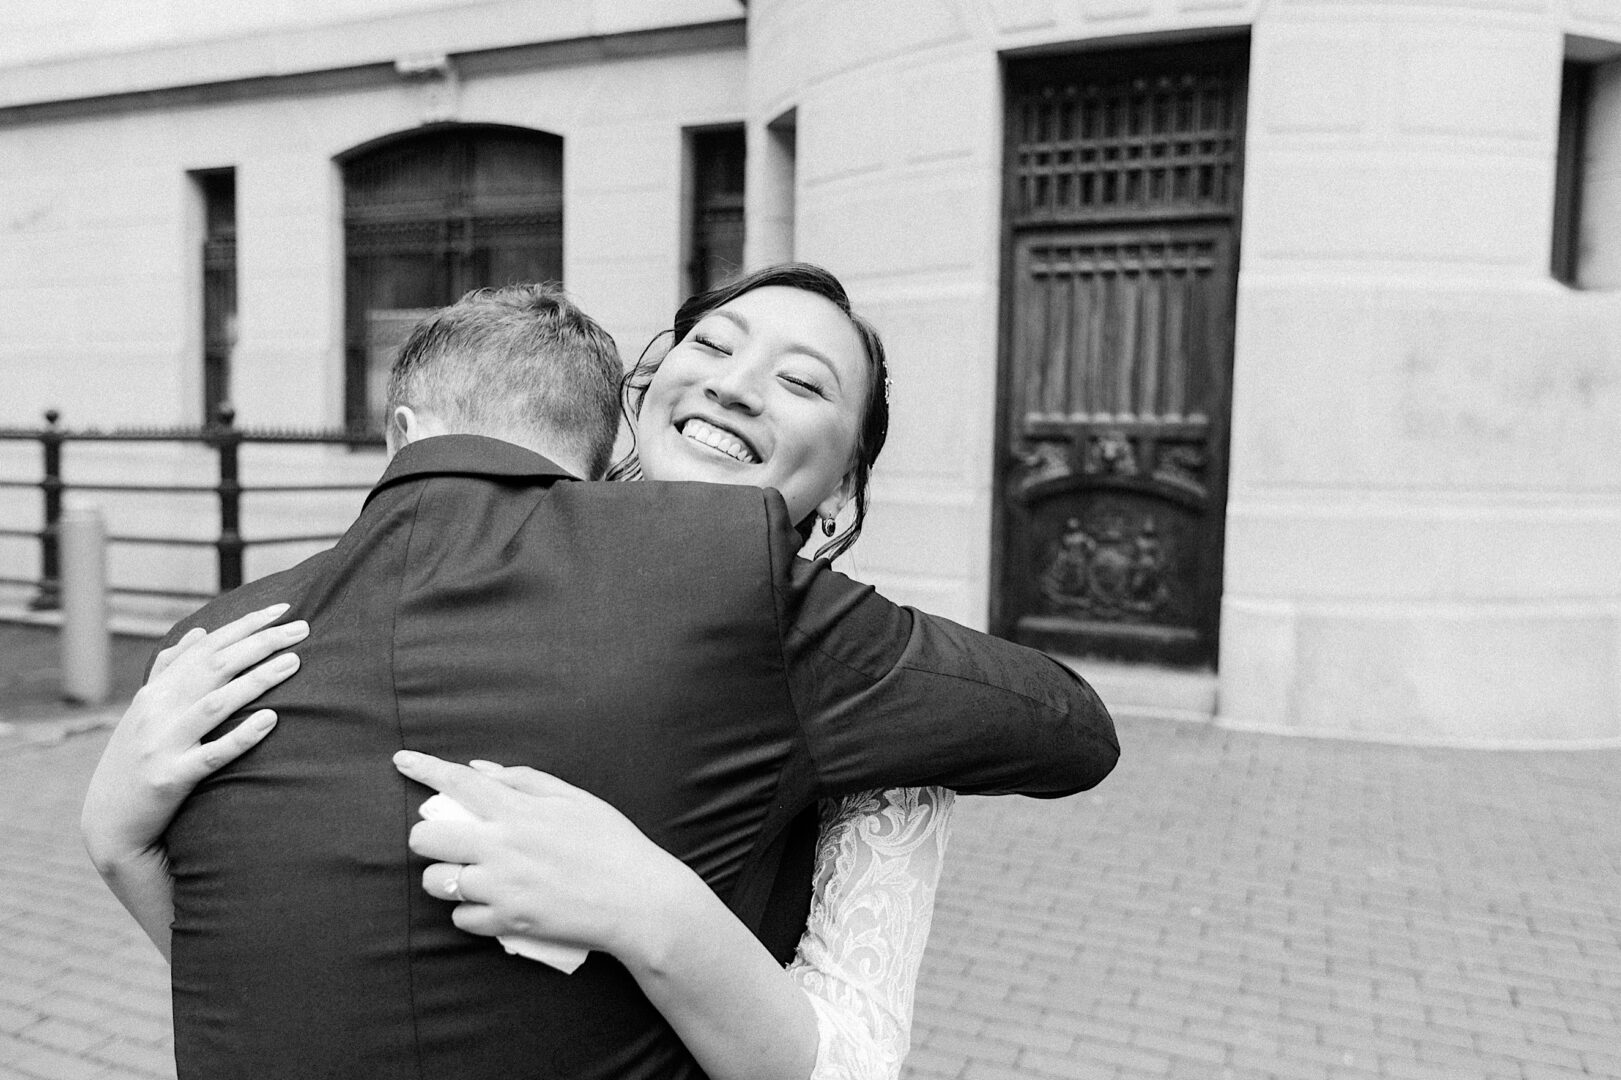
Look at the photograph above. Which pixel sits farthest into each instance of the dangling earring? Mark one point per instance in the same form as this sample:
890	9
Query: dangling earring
829	526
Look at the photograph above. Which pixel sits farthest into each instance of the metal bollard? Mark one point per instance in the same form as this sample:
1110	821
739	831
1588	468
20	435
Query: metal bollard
86	641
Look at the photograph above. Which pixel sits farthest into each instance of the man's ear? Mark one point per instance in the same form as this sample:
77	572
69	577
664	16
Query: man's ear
403	428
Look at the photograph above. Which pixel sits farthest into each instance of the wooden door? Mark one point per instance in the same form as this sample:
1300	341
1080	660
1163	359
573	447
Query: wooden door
1123	182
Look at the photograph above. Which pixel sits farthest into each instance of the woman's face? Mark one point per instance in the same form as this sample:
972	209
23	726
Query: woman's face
765	390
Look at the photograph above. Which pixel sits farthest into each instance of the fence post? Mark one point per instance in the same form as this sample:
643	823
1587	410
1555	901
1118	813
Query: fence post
227	440
86	642
50	568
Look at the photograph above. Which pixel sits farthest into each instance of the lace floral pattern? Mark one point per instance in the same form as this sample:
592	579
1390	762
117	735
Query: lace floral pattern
878	862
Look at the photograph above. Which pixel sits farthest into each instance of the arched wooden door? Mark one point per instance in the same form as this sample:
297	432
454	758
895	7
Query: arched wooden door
1123	193
428	217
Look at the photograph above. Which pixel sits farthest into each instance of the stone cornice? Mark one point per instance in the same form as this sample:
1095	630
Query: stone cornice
505	35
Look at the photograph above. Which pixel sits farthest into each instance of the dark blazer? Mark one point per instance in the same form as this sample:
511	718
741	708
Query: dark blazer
657	644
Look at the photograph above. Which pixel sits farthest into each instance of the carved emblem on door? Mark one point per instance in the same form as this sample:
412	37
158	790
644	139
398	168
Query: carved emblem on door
1116	569
1110	454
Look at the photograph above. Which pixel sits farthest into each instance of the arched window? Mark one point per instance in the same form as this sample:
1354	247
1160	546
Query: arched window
428	217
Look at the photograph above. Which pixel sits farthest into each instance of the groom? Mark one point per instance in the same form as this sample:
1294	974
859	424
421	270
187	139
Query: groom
659	645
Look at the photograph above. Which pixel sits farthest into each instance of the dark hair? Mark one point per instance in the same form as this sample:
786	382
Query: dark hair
518	360
874	425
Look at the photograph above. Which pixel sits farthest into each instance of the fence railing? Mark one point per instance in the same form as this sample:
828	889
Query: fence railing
224	438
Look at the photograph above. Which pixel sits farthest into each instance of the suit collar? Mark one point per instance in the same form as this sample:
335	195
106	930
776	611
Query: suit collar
468	455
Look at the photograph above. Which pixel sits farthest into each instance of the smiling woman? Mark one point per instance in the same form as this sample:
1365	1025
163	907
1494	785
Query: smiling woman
770	381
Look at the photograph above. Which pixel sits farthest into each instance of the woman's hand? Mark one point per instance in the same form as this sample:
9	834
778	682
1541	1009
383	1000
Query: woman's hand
545	859
156	755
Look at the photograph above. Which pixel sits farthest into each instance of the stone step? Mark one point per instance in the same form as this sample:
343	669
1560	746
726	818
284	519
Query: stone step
1148	690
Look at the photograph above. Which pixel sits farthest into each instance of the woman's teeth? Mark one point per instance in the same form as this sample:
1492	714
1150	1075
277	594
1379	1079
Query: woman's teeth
717	439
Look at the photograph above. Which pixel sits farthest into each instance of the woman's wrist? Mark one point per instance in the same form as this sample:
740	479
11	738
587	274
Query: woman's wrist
654	936
126	863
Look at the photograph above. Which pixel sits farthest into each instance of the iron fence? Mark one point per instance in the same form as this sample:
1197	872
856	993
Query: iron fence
224	438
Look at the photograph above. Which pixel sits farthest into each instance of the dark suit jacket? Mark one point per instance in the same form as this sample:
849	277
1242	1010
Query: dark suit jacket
657	644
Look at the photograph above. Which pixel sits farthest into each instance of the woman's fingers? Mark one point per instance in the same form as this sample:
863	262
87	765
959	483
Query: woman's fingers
234	631
452	881
207	758
476	919
200	662
446	841
241	655
165	657
523	778
214	707
483	795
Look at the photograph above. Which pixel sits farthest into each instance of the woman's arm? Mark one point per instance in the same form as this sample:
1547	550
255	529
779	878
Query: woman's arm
545	859
548	860
156	755
878	863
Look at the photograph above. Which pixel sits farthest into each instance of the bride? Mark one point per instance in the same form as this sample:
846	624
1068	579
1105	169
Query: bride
782	357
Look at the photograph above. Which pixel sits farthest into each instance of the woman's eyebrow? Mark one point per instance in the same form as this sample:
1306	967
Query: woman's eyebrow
806	350
726	313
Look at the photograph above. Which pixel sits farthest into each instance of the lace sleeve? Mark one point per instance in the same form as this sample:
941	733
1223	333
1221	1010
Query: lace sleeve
877	864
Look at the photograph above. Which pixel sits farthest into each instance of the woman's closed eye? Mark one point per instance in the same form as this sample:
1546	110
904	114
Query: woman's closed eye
712	343
805	383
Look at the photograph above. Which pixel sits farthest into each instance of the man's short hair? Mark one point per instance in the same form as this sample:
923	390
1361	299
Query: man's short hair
521	360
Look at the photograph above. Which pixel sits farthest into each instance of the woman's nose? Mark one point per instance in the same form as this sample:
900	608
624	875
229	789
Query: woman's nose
736	386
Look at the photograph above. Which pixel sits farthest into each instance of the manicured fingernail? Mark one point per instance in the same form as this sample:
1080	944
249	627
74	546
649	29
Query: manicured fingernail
296	629
286	661
407	759
277	608
484	766
265	721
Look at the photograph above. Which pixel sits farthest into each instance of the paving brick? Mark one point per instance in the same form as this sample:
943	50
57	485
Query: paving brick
1530	1070
1602	1063
1180	1046
141	1058
1081	1066
67	1037
1259	903
1402	1069
78	1010
47	1063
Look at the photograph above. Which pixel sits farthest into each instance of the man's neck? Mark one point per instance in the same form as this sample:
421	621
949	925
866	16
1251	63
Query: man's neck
556	455
562	458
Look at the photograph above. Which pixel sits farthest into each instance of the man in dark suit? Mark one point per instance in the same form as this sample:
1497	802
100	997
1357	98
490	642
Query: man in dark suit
659	645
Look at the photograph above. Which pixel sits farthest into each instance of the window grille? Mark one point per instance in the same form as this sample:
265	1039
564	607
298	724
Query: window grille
1090	147
428	218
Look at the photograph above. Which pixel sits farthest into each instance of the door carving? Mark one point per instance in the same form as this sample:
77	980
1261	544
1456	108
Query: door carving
1123	193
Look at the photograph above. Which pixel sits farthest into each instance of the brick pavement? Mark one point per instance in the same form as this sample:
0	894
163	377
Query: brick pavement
1234	906
1228	906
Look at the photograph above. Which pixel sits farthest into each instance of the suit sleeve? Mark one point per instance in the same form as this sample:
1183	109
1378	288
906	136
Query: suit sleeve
889	696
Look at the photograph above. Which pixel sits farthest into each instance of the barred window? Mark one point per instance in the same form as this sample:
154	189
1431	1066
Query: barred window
426	219
217	188
1586	248
715	206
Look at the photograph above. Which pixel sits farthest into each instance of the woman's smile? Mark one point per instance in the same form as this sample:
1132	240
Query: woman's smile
719	439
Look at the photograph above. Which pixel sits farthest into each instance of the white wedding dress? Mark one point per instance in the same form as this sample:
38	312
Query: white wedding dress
878	859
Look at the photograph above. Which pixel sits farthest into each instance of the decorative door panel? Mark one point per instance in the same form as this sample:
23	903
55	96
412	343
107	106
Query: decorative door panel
1123	192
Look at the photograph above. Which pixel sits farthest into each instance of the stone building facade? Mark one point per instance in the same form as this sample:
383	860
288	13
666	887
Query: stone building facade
1275	341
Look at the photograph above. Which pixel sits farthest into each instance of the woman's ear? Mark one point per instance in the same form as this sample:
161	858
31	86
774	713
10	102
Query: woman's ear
841	495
